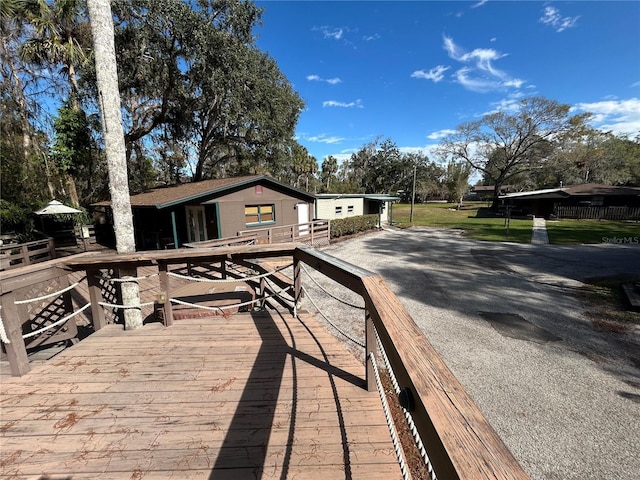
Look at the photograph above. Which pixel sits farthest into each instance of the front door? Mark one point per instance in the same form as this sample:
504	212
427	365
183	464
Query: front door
196	224
303	218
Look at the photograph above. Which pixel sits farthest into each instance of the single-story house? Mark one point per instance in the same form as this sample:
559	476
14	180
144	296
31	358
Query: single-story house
573	198
168	217
330	206
485	192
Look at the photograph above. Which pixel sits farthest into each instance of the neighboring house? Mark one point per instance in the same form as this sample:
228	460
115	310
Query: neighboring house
485	192
578	201
168	217
330	206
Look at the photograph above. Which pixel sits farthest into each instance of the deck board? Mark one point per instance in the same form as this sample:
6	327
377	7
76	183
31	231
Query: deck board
249	396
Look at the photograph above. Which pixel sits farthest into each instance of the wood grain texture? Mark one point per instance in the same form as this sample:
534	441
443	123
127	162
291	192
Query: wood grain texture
250	396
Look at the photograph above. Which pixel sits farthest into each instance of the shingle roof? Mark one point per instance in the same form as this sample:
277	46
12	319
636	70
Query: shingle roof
587	189
597	189
163	197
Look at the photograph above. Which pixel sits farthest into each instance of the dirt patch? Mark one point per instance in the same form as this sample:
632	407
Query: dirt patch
608	308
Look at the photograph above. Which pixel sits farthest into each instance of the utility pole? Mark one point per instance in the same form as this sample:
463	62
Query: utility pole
413	194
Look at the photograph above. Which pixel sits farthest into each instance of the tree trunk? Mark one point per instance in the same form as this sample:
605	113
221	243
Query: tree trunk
109	95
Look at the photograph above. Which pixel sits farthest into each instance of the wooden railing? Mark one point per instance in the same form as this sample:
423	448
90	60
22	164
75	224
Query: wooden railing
461	444
14	256
244	239
597	213
35	282
315	234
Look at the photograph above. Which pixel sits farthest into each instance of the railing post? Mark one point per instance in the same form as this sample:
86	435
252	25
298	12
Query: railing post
52	247
223	268
95	296
24	251
164	286
370	347
16	349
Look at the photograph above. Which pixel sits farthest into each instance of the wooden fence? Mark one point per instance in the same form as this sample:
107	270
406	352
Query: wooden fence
315	234
597	213
14	256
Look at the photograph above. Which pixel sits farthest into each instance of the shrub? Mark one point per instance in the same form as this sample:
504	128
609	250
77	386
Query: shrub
351	225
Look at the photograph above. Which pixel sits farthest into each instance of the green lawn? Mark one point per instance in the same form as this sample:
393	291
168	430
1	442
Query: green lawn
471	218
592	231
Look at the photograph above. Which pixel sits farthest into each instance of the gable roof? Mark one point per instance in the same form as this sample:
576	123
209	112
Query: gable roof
163	197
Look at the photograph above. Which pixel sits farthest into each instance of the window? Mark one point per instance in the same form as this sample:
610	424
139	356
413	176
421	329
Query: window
350	209
259	214
338	211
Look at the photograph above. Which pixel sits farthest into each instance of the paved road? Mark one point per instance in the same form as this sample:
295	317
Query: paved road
564	396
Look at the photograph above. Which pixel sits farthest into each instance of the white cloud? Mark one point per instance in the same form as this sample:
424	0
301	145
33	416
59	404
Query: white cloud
324	138
335	103
618	116
479	4
332	33
440	134
514	82
636	84
436	73
466	77
479	72
368	38
317	78
556	21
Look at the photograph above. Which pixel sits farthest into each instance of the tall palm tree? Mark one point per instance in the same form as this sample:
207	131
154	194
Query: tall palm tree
12	29
57	38
57	41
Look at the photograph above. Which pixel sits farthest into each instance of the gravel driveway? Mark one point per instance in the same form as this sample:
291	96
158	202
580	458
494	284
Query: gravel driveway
564	396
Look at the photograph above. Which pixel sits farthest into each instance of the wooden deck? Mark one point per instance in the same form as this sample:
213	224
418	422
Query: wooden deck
254	395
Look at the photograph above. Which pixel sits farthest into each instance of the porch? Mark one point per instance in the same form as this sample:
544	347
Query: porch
258	394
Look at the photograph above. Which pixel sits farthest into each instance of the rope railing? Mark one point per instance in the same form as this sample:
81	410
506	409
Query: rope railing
407	415
226	307
390	424
49	295
329	293
3	333
338	329
56	323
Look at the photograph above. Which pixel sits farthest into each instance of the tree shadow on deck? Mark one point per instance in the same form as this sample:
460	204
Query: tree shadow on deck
247	442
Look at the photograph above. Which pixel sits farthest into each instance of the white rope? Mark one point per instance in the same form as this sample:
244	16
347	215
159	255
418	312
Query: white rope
113	305
49	295
225	280
387	413
225	307
346	335
292	300
329	293
3	333
407	415
129	279
55	324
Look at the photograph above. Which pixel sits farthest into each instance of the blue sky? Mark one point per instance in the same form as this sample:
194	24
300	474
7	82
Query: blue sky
411	71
